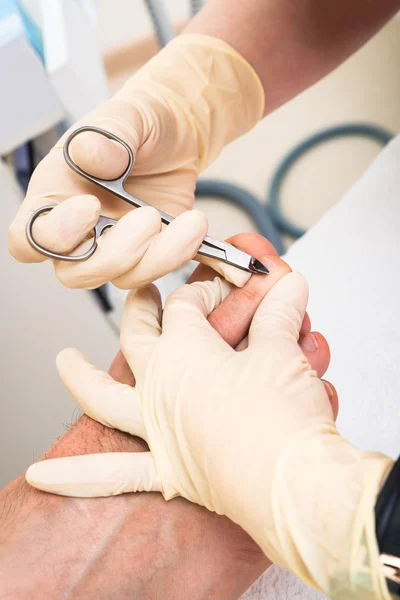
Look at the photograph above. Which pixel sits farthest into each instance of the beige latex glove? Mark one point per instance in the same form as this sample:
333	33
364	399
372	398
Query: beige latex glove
176	113
248	434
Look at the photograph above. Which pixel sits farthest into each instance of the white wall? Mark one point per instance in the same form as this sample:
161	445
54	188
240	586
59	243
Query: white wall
39	317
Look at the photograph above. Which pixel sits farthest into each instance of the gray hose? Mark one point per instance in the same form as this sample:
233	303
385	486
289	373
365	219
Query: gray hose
368	130
195	6
238	196
161	23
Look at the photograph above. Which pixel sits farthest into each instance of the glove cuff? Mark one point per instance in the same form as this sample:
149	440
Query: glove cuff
322	506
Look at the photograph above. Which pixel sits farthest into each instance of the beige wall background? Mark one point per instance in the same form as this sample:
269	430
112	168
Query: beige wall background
40	317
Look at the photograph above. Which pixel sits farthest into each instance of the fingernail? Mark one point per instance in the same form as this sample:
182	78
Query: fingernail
328	388
267	262
309	343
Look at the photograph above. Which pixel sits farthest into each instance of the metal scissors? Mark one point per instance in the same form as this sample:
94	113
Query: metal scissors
210	246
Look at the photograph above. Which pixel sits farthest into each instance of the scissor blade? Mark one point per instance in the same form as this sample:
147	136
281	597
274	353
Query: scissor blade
257	267
231	255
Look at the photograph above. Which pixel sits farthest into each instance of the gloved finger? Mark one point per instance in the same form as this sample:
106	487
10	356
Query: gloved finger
236	276
281	312
318	355
54	183
188	308
252	243
315	347
64	227
333	397
96	475
232	317
100	156
140	327
168	250
102	398
119	249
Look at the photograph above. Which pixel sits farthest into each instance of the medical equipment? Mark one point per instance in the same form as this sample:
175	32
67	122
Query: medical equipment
210	247
280	221
28	103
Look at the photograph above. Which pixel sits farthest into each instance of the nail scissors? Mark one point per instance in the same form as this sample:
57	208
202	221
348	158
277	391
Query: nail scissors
210	246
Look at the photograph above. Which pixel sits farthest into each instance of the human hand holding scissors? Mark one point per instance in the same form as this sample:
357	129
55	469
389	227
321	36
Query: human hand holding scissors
210	247
172	117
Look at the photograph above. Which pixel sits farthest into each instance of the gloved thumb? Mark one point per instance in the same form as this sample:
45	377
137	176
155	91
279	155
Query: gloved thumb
191	304
100	397
103	157
281	312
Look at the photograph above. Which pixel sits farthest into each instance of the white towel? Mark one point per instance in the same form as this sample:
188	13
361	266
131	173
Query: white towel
351	259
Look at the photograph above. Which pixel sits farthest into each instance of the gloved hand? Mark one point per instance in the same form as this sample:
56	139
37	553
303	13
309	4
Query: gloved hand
303	493
176	113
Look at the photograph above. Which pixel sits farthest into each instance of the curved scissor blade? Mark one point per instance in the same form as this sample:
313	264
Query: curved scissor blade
257	267
231	255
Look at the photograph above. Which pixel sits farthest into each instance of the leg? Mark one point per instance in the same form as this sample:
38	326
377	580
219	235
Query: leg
351	261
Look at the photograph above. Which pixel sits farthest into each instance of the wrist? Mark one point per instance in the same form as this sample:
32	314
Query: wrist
135	545
63	536
48	534
127	546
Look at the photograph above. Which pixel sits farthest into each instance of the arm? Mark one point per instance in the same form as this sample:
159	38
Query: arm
290	44
126	547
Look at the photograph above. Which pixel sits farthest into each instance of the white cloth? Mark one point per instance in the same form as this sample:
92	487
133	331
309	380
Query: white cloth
350	259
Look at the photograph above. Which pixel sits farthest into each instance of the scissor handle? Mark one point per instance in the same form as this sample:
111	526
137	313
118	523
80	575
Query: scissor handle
210	246
98	180
115	186
102	224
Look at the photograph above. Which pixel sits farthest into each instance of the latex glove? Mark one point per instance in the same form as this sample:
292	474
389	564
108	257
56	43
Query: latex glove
176	113
303	493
